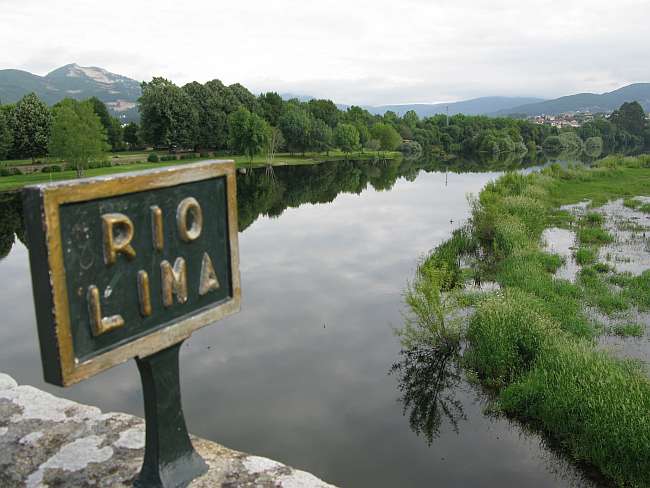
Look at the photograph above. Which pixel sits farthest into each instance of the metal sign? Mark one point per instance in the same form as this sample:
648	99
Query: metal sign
128	265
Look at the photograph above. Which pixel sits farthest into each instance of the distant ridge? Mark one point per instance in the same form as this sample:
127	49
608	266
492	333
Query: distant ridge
593	102
119	93
474	106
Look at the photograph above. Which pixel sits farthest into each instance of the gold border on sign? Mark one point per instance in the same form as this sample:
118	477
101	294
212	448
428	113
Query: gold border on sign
56	194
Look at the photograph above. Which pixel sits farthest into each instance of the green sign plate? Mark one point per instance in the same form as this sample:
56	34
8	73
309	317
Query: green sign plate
125	266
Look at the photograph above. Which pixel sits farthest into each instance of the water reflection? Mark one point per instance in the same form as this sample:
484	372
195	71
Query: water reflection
429	376
270	191
300	374
11	222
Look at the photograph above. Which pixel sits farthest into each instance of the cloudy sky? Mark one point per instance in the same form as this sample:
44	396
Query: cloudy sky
364	52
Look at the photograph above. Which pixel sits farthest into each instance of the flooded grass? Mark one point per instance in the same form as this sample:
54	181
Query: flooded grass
629	330
532	341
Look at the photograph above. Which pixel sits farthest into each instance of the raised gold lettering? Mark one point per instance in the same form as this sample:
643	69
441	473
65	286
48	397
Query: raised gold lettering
209	280
173	281
118	232
98	324
144	293
157	228
189	206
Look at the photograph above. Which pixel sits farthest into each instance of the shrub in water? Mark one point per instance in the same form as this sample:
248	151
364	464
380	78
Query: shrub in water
505	334
586	255
596	406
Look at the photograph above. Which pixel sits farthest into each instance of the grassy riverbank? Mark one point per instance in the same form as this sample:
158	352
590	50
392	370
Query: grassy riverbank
532	342
124	162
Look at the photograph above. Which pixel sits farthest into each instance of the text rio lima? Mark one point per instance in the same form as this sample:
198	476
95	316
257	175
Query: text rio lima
117	234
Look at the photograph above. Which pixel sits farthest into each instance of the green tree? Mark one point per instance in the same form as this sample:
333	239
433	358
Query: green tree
31	126
168	116
295	125
387	136
346	137
112	125
630	117
245	98
77	134
411	119
594	147
321	136
364	134
212	130
248	133
6	136
115	135
553	145
272	107
324	110
132	135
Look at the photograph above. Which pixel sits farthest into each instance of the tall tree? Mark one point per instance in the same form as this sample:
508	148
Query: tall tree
296	126
168	116
387	136
346	137
78	135
630	117
211	131
248	133
321	136
245	98
324	110
411	119
272	107
31	124
132	135
6	136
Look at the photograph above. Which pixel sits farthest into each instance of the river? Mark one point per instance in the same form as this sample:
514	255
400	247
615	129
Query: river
301	374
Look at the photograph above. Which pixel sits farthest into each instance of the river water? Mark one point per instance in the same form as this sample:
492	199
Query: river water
301	375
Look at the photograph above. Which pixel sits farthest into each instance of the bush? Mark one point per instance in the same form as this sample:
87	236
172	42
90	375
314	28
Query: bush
506	334
54	168
586	255
596	406
10	172
594	235
152	158
205	155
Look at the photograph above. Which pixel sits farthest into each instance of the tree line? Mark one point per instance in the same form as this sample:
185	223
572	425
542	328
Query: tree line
214	116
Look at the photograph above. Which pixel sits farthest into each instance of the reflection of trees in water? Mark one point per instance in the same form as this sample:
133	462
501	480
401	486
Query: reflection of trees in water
271	190
428	378
11	222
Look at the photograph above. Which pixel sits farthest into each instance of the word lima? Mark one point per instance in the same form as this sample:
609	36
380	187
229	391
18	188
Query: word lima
118	229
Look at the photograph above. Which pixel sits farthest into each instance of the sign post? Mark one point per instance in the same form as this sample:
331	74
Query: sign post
128	266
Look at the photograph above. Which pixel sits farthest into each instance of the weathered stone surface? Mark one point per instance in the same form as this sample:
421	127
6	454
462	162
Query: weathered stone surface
47	441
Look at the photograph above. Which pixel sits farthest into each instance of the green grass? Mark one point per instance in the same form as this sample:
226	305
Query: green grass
600	294
532	341
18	181
629	330
596	406
594	235
586	255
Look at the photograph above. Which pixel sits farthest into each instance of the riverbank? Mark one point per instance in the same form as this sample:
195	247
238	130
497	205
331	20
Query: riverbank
50	441
42	173
532	341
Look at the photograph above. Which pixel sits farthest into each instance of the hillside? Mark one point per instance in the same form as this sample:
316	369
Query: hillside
474	106
118	92
593	102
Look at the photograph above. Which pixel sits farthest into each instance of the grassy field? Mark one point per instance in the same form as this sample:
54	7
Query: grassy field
121	164
532	342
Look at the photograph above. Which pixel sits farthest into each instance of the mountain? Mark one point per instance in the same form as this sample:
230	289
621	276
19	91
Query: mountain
474	106
119	93
592	102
